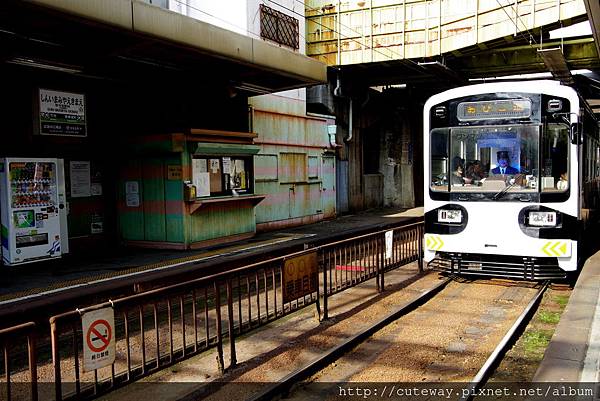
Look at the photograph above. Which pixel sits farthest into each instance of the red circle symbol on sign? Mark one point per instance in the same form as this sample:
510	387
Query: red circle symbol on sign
98	335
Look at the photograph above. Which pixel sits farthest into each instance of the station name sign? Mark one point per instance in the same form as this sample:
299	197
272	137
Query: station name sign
61	113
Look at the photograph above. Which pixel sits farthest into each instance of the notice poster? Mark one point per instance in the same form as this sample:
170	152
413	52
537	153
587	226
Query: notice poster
201	177
97	225
216	180
226	165
132	194
238	175
199	166
81	183
214	166
132	200
202	184
96	189
62	113
132	187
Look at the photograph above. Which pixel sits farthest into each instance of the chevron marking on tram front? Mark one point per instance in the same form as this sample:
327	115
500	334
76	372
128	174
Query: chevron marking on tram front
434	242
555	248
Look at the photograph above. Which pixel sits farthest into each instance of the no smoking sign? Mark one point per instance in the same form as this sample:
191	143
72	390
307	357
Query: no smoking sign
98	339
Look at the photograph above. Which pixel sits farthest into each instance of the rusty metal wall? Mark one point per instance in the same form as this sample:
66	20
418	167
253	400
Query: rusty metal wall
291	167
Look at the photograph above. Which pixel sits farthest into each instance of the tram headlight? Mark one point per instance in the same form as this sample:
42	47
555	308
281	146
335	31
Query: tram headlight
449	216
542	219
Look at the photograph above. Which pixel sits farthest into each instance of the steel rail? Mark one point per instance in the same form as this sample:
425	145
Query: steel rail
285	384
503	346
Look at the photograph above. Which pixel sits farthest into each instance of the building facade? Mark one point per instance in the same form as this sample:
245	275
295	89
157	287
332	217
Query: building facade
295	167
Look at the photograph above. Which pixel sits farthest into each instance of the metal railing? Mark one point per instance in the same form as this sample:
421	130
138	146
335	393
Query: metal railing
161	327
11	339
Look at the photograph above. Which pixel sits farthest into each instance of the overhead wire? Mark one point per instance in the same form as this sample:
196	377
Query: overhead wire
517	19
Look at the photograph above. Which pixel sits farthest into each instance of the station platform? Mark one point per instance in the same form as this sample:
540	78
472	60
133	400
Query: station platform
573	354
23	288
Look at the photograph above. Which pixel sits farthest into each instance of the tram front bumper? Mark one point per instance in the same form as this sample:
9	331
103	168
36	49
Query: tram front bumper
514	267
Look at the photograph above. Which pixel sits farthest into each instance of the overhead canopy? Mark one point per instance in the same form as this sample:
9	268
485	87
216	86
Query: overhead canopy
510	55
593	11
129	39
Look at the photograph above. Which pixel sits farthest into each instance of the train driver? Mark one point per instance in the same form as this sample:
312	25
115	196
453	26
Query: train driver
504	168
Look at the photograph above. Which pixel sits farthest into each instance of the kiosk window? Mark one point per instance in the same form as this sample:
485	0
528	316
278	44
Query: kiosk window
221	176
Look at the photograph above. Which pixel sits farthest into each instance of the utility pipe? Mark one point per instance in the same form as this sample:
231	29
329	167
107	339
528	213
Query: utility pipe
348	137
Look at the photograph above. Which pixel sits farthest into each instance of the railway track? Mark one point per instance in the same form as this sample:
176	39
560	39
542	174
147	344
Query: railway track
323	368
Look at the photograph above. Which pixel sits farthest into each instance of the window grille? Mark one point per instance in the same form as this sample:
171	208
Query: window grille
279	27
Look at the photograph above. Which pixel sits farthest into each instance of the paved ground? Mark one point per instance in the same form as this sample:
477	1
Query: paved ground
27	282
573	354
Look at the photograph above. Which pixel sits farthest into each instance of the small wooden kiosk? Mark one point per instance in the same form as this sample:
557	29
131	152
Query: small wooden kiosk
188	190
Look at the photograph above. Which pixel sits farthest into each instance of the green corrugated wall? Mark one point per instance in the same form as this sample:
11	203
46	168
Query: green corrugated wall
162	214
222	220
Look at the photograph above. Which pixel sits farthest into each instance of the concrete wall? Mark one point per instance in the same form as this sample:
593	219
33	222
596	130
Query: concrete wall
398	156
388	125
230	14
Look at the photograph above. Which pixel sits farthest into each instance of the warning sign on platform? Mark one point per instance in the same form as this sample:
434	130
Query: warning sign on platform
98	339
389	244
299	276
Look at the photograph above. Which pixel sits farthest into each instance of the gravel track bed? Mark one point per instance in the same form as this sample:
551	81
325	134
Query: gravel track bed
270	353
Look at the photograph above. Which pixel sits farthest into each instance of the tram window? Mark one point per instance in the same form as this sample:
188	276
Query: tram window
555	155
477	152
439	159
467	159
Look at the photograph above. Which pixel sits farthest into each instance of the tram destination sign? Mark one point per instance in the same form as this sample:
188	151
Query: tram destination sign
61	113
493	109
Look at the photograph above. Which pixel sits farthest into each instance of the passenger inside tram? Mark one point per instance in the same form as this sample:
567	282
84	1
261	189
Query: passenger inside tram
475	172
457	176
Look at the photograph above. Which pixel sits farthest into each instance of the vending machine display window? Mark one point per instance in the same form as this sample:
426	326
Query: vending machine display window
32	184
24	218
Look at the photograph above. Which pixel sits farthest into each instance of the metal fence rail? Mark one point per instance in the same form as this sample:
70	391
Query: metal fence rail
11	339
157	328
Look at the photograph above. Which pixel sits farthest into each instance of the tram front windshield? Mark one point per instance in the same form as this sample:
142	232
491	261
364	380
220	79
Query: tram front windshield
493	159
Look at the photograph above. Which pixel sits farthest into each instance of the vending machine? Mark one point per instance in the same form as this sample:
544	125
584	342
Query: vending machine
33	212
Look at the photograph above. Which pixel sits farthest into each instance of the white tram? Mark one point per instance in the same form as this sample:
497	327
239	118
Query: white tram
512	173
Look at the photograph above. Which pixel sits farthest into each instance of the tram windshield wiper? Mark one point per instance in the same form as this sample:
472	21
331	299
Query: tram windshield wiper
509	186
